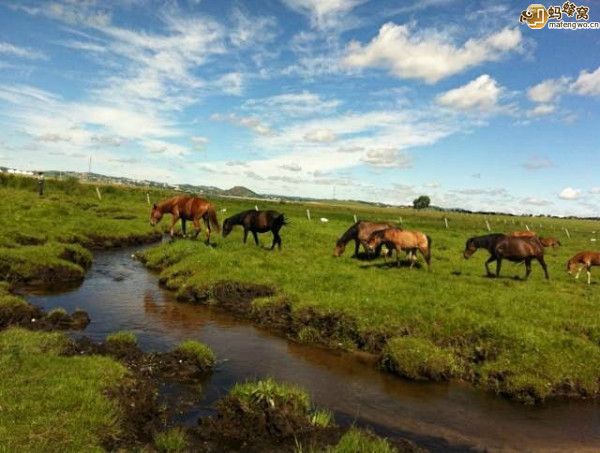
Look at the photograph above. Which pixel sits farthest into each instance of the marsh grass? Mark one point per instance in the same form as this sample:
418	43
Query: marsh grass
356	440
122	337
174	440
270	393
52	402
199	353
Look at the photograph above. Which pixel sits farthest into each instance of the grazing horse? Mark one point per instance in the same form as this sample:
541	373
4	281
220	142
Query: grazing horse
360	233
523	234
581	260
487	242
519	249
257	222
550	242
402	240
186	208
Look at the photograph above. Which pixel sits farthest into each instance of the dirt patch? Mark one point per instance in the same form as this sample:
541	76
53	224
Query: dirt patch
34	318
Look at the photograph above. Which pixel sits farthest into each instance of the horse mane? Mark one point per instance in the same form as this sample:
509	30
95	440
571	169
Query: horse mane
351	233
236	219
166	204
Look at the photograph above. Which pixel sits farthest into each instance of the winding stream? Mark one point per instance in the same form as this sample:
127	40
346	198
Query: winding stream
120	294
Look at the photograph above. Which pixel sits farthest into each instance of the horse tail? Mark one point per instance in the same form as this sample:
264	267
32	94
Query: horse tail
212	218
428	253
282	220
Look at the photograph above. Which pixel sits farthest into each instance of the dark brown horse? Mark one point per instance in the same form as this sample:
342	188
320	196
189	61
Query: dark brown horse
520	249
360	233
402	240
186	208
257	222
487	242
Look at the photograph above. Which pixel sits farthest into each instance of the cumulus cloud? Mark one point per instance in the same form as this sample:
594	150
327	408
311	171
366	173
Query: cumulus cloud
533	201
199	142
595	190
293	104
231	83
568	193
541	110
291	167
588	83
481	94
427	56
547	91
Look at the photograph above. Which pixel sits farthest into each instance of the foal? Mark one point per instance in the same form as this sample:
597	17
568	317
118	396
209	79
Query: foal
581	260
402	240
257	222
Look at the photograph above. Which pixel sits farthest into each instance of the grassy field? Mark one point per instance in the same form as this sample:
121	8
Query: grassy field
529	340
526	339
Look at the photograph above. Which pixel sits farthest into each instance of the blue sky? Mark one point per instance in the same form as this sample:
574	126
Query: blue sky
375	100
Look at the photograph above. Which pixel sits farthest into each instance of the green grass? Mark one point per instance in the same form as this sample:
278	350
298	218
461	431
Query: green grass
123	337
358	441
269	393
528	339
51	402
172	441
201	354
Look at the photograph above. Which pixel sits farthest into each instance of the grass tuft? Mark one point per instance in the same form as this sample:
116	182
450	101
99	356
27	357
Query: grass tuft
122	337
172	441
199	353
269	393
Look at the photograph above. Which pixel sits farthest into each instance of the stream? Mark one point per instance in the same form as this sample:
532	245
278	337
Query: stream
119	293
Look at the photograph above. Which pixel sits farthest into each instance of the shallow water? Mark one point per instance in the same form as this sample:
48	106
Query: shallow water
120	294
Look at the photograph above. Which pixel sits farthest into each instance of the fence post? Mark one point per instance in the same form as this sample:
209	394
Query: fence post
255	207
567	232
98	193
308	214
487	224
527	227
355	219
446	222
148	198
400	219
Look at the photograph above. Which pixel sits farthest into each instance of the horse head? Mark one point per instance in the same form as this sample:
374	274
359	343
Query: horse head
339	249
227	227
470	249
155	215
375	239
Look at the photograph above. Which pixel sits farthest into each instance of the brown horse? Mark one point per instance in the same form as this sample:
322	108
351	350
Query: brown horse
520	249
488	242
402	240
360	233
523	234
257	222
550	242
186	208
581	260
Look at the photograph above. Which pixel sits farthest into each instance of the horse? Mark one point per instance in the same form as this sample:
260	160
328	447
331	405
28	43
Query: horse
186	208
583	259
402	240
523	234
487	242
550	242
519	249
257	222
360	232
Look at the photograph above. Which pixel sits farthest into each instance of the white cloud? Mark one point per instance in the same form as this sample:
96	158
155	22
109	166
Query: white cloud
248	31
537	163
541	110
293	104
533	201
595	190
588	83
387	158
231	83
320	136
324	13
481	94
251	122
428	56
21	52
291	167
547	91
199	142
568	193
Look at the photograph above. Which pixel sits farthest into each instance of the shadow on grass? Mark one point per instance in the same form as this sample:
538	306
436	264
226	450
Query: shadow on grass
392	264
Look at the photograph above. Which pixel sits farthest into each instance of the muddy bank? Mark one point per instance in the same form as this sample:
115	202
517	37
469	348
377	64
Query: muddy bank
28	316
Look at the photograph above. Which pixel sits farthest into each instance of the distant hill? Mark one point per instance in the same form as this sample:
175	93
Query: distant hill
240	191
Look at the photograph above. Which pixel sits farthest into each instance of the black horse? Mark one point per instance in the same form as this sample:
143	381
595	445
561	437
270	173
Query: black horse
488	242
257	222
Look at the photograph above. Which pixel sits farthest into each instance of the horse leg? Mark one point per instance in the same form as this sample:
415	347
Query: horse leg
487	265
196	228
183	227
578	272
173	222
527	267
245	234
542	262
207	224
498	266
276	240
589	274
255	237
356	247
427	255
